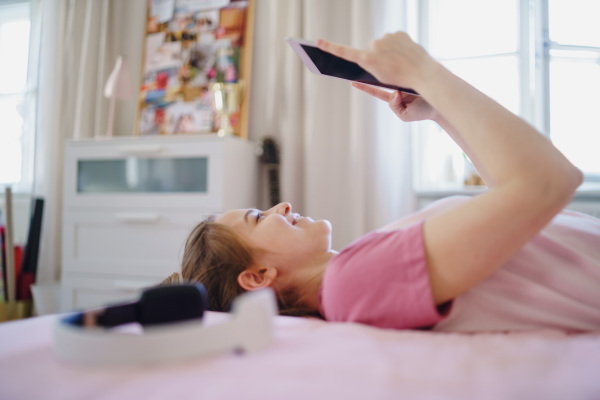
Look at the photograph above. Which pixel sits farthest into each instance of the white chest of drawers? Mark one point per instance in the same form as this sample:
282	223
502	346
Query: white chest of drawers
129	204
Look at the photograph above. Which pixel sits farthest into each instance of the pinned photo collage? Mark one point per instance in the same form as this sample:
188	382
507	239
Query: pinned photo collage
189	44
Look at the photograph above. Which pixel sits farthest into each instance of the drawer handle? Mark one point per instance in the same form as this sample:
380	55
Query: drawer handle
137	218
140	149
131	286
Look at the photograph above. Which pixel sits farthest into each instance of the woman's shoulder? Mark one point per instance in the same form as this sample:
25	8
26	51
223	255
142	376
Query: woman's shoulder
430	210
380	272
372	257
383	240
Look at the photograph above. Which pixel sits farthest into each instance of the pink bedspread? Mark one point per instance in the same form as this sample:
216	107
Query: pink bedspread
312	359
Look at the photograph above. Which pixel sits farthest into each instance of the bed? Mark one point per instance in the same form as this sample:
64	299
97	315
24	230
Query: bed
314	359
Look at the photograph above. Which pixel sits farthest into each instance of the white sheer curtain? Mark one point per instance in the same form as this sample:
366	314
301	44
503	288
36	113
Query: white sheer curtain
345	157
81	40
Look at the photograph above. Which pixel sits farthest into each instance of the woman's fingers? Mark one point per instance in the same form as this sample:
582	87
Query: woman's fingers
381	94
394	99
345	52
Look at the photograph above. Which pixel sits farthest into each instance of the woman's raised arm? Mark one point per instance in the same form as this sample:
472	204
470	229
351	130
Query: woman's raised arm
532	180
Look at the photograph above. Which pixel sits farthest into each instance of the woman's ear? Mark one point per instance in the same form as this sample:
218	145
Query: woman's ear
252	279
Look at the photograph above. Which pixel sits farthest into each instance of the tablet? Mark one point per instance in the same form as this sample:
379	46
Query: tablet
320	62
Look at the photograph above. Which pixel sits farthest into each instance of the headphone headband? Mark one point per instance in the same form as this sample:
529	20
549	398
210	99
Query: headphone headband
249	329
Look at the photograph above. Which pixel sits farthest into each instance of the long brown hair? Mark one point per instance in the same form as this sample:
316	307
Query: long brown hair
215	255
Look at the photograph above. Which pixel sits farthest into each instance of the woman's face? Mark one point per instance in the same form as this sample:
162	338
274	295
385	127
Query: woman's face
285	238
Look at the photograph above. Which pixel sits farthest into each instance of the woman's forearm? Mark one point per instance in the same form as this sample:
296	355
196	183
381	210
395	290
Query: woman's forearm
461	142
501	144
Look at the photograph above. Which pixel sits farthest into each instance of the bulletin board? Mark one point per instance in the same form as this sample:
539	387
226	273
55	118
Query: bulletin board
188	46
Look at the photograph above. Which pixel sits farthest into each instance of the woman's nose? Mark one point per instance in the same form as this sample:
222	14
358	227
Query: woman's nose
283	208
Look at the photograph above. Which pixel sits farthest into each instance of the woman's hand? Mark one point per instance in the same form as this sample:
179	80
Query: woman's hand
394	59
406	106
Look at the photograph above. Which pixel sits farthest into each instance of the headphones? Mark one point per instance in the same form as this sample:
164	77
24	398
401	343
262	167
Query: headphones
173	329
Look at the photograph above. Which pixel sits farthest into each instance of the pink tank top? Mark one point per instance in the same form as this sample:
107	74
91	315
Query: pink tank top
552	283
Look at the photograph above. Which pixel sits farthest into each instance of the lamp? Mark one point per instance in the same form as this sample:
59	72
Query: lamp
118	87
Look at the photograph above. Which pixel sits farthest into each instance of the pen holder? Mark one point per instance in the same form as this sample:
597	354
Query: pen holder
15	310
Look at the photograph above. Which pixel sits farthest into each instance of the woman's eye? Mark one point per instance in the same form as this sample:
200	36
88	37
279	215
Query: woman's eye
258	216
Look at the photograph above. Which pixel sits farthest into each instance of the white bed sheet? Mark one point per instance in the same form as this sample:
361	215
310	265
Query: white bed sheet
313	359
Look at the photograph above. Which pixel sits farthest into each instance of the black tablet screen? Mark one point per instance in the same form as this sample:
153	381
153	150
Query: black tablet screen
331	65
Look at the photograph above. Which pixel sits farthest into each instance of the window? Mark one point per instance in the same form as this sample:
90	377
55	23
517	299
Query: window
538	58
572	58
17	93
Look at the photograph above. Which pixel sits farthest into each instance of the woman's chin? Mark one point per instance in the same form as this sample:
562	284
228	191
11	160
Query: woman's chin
326	225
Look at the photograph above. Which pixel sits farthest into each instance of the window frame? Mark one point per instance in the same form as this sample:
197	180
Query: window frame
534	57
546	46
30	93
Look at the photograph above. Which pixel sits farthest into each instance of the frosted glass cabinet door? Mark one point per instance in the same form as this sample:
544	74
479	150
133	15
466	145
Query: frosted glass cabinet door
150	174
143	175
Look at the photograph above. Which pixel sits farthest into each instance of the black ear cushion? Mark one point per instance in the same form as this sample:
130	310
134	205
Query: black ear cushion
157	305
171	303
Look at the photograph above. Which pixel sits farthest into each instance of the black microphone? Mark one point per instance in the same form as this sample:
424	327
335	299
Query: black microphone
157	305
